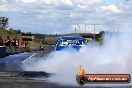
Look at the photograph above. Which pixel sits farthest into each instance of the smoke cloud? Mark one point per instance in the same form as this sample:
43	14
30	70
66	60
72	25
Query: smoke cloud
113	57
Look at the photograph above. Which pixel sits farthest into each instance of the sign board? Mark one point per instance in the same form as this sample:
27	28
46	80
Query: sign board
27	37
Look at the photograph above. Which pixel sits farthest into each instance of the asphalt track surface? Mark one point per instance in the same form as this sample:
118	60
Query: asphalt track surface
12	76
13	62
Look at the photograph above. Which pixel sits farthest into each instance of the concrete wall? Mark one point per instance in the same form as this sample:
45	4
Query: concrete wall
2	51
9	50
15	50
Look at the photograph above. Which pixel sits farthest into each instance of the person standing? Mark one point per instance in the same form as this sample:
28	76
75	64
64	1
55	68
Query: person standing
13	45
2	48
8	45
1	41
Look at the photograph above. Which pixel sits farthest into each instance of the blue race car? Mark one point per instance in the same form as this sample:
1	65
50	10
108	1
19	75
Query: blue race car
70	42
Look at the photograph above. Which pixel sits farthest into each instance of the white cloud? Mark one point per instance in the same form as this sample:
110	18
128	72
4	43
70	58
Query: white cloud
112	8
6	7
87	2
67	2
63	4
55	15
29	1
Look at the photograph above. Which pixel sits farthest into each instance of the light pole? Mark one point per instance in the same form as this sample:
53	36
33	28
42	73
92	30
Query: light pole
85	29
94	30
75	29
79	28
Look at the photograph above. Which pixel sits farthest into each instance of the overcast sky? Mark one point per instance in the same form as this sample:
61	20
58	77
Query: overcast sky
61	16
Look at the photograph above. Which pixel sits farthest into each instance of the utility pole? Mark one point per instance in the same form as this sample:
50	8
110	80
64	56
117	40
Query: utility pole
113	24
52	4
94	30
79	28
85	29
75	29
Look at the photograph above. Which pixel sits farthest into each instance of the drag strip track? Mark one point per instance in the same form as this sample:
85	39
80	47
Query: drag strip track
22	79
12	76
17	58
27	74
14	62
22	75
43	85
28	59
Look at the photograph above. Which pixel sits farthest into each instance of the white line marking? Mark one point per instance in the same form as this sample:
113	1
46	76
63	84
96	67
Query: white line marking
28	59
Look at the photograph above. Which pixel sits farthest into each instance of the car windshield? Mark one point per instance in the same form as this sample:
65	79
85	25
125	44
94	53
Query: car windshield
71	42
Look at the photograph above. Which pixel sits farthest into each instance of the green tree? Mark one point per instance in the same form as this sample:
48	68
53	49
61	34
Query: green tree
3	22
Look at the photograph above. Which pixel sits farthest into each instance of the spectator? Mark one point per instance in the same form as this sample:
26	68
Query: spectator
8	42
13	46
21	44
13	43
17	42
1	41
8	45
5	42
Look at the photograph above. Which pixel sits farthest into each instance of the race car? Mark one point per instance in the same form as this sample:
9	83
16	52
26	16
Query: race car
70	42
